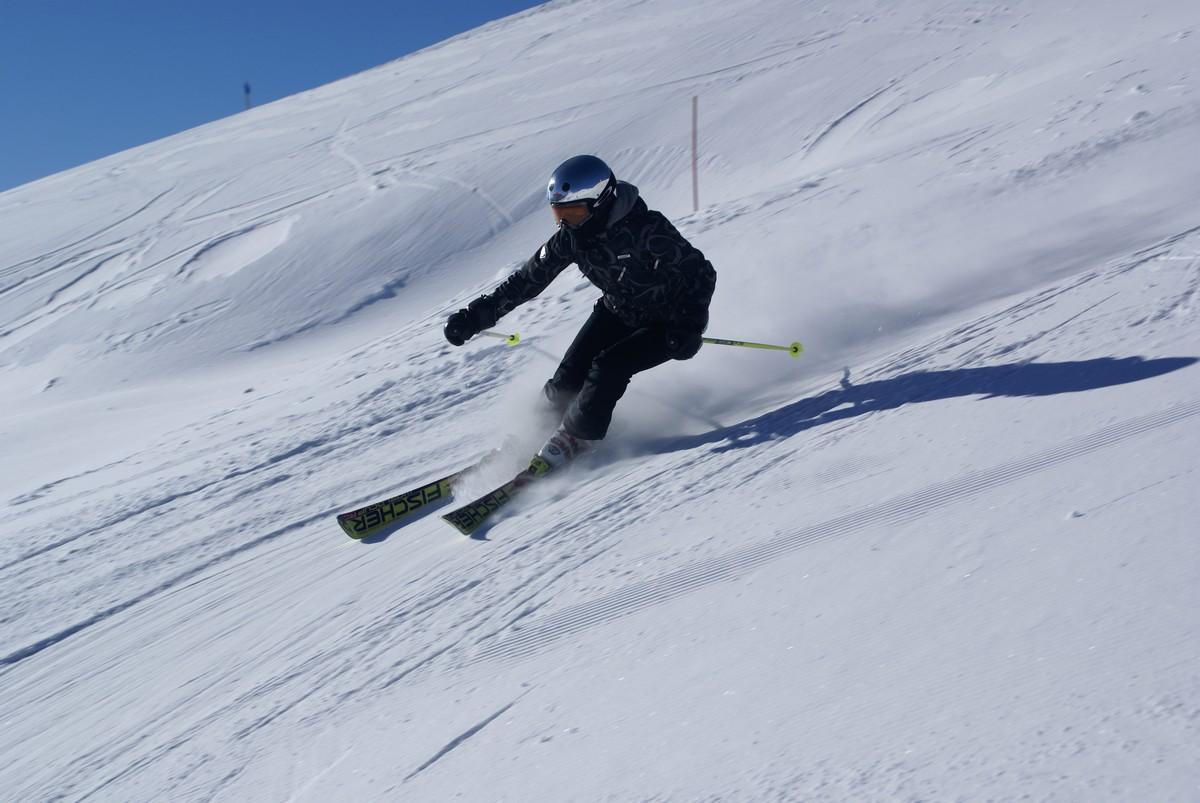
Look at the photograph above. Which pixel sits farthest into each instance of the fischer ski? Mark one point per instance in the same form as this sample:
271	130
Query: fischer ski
371	519
470	517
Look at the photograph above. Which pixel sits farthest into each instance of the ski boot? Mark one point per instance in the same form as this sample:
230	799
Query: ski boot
561	449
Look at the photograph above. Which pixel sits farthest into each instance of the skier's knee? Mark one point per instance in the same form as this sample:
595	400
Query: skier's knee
608	372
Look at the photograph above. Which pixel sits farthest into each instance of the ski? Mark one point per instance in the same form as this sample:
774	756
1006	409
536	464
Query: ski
470	517
371	519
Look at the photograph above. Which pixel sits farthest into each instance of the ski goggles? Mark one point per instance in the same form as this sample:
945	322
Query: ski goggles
571	215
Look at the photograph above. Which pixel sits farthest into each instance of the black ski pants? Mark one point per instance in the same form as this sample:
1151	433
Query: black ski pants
596	370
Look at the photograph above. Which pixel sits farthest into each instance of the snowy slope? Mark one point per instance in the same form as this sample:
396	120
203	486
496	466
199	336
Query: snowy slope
949	555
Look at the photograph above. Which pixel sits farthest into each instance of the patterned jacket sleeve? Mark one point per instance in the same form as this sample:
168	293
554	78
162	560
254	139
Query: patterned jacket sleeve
526	281
692	279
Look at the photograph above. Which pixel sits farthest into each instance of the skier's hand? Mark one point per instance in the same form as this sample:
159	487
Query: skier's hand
460	327
466	323
682	344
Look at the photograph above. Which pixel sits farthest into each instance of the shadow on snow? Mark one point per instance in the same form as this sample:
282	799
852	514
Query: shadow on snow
850	400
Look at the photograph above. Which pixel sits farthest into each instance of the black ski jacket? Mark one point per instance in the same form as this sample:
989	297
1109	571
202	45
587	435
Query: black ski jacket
650	274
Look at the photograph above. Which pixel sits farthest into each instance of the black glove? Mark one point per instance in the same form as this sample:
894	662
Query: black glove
463	325
460	327
682	344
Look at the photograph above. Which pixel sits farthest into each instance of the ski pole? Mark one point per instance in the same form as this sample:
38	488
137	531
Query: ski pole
794	349
511	340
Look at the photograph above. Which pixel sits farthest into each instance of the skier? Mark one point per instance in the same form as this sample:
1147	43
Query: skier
656	291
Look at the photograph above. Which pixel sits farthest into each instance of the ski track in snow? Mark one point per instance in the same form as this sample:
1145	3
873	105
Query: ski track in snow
458	740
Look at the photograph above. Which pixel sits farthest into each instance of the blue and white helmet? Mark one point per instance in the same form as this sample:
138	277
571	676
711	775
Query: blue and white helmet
582	179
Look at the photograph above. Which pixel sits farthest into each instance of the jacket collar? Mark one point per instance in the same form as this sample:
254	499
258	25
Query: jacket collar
627	198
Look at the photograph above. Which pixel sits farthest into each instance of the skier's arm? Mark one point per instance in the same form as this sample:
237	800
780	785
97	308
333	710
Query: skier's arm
535	275
523	284
698	282
691	278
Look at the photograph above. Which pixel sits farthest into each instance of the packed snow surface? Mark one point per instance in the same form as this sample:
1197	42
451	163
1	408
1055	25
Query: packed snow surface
948	554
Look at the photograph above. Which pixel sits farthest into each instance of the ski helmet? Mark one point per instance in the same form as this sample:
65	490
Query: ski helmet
582	181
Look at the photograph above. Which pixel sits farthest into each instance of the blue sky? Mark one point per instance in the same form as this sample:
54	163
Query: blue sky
80	79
